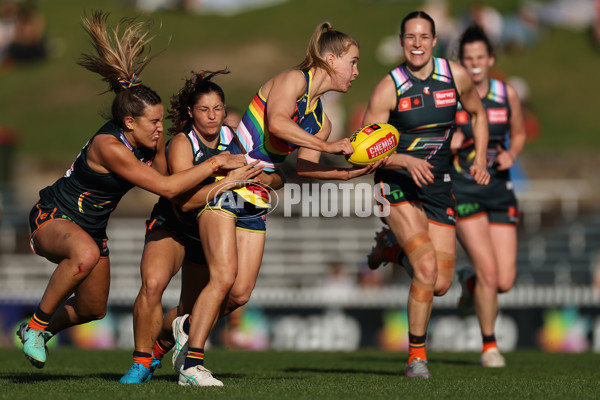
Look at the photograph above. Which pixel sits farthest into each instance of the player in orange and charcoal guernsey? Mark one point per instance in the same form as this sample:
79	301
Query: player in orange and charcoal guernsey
286	114
487	216
69	222
420	98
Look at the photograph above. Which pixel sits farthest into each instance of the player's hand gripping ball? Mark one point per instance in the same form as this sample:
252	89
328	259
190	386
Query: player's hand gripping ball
372	143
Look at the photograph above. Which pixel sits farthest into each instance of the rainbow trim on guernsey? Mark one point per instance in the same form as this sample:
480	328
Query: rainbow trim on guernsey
497	91
403	82
260	144
441	70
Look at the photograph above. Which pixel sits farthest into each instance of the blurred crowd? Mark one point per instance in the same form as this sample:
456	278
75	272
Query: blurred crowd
22	33
224	7
513	32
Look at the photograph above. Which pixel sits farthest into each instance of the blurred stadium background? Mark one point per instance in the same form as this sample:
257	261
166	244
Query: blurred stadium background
314	290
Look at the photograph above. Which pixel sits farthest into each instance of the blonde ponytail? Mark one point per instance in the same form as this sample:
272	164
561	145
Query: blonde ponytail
325	40
121	57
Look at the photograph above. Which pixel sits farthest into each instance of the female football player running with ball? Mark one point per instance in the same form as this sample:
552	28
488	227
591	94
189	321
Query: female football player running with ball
420	98
286	114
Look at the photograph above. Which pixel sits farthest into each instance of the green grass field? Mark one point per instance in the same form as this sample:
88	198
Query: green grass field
78	374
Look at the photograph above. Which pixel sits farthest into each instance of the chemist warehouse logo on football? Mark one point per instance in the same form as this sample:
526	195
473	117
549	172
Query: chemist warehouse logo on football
382	145
410	103
444	98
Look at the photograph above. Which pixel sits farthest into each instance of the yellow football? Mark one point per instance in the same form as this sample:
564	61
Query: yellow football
372	143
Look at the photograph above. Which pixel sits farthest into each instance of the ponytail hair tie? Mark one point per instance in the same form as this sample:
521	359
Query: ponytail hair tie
129	83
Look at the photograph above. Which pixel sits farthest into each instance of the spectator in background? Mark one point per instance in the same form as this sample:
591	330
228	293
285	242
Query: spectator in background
28	40
596	26
521	30
8	17
339	282
531	121
370	278
446	26
488	18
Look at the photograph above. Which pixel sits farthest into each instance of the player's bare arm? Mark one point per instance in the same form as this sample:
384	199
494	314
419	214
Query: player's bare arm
469	98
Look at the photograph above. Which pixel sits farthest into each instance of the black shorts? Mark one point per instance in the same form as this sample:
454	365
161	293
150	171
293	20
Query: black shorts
497	199
183	227
436	199
45	211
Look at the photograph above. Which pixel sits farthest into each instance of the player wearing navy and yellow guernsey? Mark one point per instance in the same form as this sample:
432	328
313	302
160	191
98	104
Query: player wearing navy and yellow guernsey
420	98
487	215
258	144
69	221
285	114
172	237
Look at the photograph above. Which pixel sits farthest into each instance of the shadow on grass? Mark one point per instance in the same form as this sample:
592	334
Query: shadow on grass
401	359
450	361
343	371
381	359
23	378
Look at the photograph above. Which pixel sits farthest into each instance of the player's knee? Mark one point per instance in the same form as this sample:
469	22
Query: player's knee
489	281
238	301
506	282
440	291
425	269
445	265
442	286
99	314
154	287
92	314
421	254
504	287
86	259
223	281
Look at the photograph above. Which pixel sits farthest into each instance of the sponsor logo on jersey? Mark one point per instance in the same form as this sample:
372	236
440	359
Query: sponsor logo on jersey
451	214
464	209
497	115
410	103
444	98
384	144
462	118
